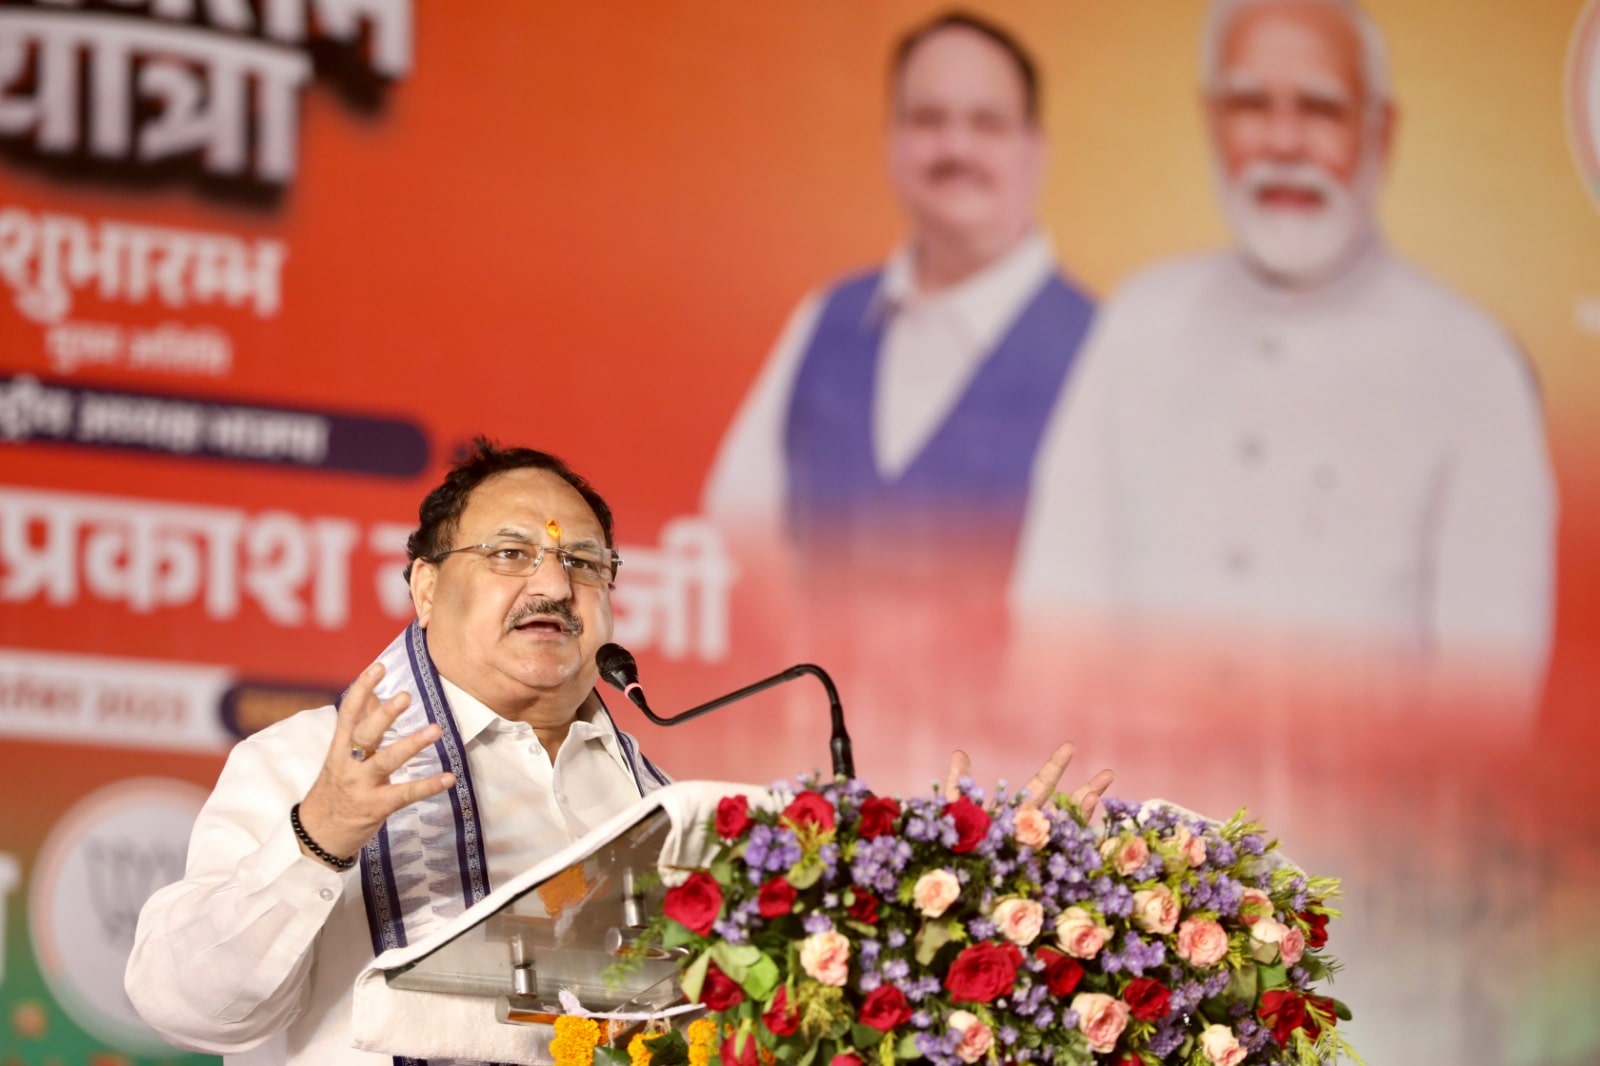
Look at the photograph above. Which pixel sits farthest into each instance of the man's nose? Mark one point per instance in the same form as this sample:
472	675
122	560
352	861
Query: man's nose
1286	132
550	577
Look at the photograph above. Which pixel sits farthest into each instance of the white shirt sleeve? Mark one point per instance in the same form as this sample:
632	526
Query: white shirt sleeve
1495	531
222	959
748	486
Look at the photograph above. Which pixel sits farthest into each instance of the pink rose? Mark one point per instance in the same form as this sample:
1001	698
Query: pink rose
1031	827
1221	1046
1019	920
1291	946
1125	854
826	957
1080	934
1254	905
976	1037
1265	936
1191	847
935	891
1101	1018
1202	942
1155	910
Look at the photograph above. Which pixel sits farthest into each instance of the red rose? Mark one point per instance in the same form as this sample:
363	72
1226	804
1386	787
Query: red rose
972	822
865	907
740	1051
846	1060
1285	1010
810	808
775	898
983	972
877	817
781	1019
733	816
1147	998
884	1008
1061	972
1130	1059
694	904
1317	931
720	992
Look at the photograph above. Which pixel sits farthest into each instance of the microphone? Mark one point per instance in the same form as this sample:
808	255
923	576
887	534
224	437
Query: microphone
618	667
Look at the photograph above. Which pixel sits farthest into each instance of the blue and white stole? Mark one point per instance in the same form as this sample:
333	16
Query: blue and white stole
427	863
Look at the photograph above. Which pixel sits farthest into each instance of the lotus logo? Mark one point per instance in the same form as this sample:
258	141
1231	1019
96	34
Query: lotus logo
1583	97
96	868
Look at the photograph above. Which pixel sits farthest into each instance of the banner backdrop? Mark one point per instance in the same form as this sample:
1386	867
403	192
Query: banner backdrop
265	268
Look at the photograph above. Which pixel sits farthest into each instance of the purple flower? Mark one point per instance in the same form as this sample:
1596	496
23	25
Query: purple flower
817	922
1168	1035
771	849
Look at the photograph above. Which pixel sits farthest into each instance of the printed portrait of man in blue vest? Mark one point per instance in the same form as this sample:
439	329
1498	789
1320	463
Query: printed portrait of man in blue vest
898	417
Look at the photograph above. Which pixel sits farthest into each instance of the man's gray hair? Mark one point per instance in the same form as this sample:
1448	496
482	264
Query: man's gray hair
1374	53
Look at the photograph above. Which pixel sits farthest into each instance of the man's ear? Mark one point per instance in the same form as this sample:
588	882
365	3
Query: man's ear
424	578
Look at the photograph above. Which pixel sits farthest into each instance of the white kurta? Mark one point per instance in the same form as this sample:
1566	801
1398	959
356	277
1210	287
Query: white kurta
1365	462
260	944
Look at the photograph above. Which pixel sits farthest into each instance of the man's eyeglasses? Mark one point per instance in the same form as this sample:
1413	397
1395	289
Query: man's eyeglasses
518	558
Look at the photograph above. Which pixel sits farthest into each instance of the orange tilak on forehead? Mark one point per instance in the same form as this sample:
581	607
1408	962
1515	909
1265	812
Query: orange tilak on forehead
553	528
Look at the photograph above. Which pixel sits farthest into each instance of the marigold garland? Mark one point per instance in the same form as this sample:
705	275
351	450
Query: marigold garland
575	1041
702	1041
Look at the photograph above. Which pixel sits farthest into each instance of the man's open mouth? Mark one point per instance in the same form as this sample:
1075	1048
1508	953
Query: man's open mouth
543	625
1289	197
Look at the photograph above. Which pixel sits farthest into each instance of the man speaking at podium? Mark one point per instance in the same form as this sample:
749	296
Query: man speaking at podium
474	747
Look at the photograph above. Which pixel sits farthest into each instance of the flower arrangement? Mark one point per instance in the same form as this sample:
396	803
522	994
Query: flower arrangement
843	928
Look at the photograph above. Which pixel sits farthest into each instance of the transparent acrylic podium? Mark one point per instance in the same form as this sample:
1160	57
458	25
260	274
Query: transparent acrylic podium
558	928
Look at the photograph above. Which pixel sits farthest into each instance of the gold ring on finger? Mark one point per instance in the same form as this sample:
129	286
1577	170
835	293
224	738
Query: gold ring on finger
359	753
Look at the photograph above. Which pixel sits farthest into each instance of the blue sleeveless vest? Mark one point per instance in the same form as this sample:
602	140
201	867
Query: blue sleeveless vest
971	480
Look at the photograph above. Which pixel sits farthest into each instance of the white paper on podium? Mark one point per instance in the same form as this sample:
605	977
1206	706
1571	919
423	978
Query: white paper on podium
444	1025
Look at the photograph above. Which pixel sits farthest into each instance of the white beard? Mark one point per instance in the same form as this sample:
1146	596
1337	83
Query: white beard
1299	246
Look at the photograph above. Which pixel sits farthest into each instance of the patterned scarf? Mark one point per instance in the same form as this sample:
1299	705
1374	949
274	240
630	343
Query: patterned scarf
426	865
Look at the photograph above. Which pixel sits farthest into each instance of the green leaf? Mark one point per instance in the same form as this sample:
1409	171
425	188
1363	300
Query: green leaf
1272	975
674	935
694	976
613	1056
1243	985
906	1048
668	1049
805	873
1341	1011
805	1060
760	979
735	960
865	1036
932	937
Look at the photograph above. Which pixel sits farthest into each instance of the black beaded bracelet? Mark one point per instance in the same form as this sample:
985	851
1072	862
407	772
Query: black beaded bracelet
313	847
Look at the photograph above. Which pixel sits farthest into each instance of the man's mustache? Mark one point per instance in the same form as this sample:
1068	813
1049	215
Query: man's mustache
547	608
949	167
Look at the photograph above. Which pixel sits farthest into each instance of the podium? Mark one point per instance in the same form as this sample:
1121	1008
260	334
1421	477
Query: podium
490	983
